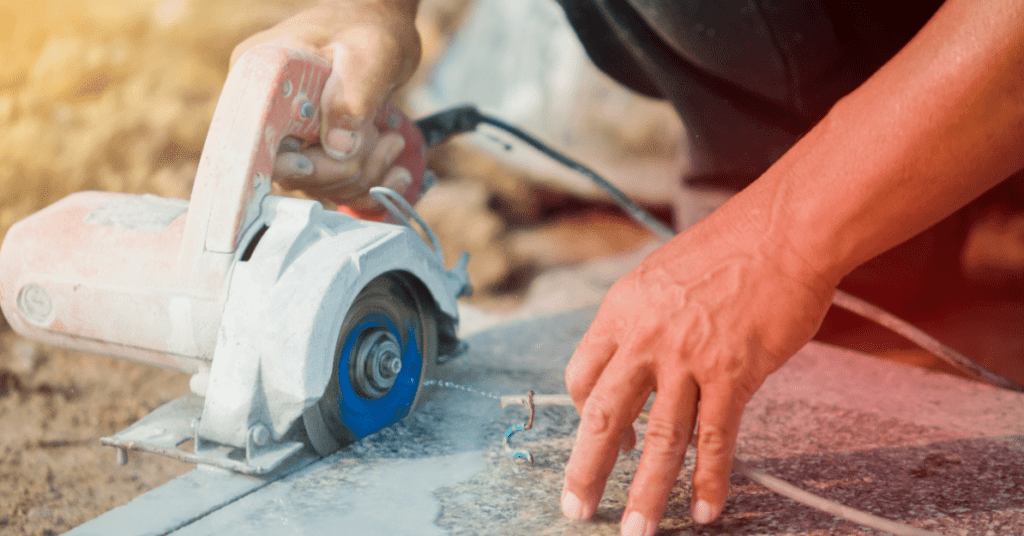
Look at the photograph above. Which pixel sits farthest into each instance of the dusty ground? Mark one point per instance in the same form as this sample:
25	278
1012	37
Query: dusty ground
117	96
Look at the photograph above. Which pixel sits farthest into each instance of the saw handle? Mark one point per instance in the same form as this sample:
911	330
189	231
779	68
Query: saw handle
271	92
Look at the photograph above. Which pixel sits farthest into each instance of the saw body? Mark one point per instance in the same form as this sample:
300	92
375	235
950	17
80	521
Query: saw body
251	293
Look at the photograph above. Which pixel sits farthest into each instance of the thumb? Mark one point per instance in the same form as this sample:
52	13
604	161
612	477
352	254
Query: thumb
366	67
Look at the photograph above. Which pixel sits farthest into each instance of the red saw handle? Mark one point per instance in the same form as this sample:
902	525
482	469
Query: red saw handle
271	92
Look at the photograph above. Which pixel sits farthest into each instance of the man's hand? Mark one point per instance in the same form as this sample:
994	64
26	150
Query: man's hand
706	318
374	47
701	322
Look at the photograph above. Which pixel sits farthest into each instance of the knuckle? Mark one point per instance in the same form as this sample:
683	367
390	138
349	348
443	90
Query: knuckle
375	37
598	418
575	383
669	438
714	442
736	375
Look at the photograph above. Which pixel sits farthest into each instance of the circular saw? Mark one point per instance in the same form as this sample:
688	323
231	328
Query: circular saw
301	326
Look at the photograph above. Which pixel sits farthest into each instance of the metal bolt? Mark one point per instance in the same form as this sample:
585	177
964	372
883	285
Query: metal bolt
122	456
306	110
390	365
286	88
376	362
260	435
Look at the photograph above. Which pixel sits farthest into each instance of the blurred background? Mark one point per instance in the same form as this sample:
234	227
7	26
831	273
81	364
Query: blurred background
117	95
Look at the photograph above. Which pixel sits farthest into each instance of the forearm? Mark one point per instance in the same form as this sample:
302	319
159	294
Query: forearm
938	125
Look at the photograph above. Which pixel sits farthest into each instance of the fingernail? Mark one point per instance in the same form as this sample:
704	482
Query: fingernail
634	525
572	507
340	143
702	512
295	165
290	144
398	180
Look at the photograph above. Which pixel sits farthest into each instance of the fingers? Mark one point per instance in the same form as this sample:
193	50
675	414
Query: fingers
589	360
291	168
720	412
608	412
366	67
668	435
373	47
343	180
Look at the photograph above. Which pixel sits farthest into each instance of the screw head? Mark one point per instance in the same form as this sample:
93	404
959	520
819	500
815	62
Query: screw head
35	303
286	88
260	435
306	110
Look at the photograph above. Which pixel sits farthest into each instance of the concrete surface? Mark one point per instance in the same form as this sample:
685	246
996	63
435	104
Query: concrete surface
931	450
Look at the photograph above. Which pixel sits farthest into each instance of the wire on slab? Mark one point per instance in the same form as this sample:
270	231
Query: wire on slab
829	507
525	454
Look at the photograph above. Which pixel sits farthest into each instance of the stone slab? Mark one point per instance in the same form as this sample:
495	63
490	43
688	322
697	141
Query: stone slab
931	450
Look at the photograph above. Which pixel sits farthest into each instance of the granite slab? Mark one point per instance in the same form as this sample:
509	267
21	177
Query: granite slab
932	450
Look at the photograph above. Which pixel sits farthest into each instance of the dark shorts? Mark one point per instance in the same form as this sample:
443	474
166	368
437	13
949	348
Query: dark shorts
748	77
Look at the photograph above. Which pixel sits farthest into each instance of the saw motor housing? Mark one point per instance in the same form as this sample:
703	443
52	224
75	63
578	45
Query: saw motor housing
246	291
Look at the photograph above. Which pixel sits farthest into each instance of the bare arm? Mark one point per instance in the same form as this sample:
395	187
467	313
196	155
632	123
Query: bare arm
708	316
938	125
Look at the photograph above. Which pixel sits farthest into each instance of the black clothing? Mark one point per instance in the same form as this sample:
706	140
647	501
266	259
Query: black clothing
748	77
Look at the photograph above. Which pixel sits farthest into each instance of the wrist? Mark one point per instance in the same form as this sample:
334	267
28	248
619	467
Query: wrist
753	227
773	220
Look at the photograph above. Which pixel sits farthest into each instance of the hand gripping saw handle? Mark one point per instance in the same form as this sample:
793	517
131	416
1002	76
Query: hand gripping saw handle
234	172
